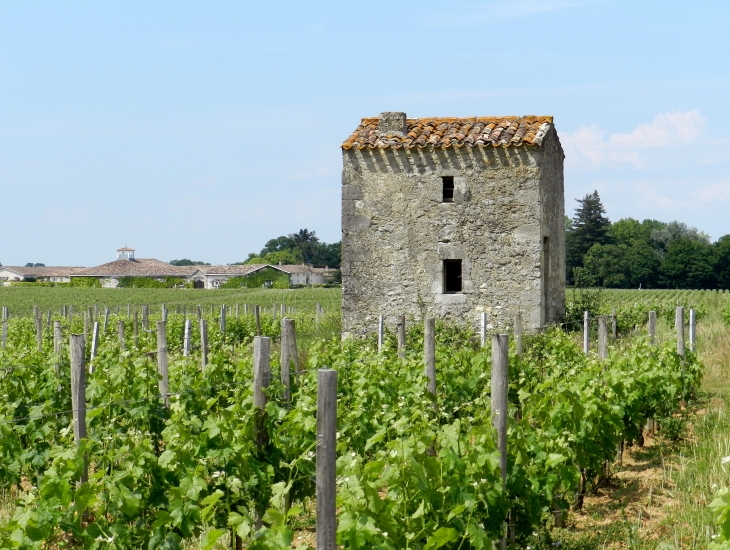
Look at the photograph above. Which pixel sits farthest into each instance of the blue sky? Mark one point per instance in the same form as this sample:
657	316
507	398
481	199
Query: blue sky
201	129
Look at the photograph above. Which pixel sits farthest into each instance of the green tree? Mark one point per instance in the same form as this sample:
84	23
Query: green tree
664	236
185	261
688	263
589	227
722	262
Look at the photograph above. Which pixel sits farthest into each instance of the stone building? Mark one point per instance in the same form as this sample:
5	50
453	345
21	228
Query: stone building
452	217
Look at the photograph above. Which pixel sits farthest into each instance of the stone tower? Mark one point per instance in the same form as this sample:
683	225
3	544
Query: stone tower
452	217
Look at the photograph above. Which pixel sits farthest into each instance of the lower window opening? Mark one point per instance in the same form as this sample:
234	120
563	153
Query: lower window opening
452	276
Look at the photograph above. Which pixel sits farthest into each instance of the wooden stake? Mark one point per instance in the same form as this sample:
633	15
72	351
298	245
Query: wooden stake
261	380
289	354
94	345
692	330
614	328
164	382
518	334
381	329
39	333
326	459
257	318
500	362
136	328
106	319
429	353
78	394
120	333
203	344
223	319
186	337
483	329
679	324
602	338
586	334
57	336
652	326
401	333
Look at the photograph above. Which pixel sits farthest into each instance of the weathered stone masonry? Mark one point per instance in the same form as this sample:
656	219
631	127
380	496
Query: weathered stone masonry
505	223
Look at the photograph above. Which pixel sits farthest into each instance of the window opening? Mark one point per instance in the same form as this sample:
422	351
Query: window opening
452	276
448	188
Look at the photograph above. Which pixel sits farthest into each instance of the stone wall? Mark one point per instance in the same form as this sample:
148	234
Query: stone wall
396	231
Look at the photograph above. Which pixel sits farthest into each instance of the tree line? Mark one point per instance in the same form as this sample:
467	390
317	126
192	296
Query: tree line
641	254
297	248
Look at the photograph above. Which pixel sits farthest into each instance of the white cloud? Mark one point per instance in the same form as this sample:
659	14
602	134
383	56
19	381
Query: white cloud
588	147
715	192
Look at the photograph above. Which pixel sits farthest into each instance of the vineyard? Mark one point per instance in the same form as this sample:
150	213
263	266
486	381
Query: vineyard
205	463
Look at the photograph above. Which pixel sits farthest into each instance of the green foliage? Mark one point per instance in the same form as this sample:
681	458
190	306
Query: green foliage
151	282
268	277
85	282
414	469
292	256
185	262
688	264
295	248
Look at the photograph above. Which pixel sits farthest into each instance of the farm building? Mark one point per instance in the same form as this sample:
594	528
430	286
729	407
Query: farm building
47	274
452	217
202	276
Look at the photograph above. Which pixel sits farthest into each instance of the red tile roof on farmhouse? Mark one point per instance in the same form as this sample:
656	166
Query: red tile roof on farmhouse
136	268
456	132
44	271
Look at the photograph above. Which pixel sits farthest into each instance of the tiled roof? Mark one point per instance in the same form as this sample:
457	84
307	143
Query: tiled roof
453	132
44	271
244	269
136	268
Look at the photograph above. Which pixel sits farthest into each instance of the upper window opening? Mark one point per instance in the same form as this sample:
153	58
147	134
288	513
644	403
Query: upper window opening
452	276
448	188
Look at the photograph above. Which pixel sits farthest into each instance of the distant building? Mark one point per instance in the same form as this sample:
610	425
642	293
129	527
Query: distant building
45	274
202	276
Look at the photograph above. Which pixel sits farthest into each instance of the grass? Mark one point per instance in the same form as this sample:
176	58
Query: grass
658	498
20	300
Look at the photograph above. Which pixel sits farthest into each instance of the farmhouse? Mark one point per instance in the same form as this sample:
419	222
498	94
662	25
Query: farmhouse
452	217
202	276
47	274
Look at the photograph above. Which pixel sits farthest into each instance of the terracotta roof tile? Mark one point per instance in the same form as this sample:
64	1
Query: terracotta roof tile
453	132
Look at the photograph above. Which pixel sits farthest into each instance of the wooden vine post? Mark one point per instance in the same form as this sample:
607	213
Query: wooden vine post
186	338
679	324
94	345
652	326
614	327
483	329
429	353
586	334
257	319
326	459
223	319
120	334
692	330
203	344
400	329
500	367
164	381
518	334
602	338
381	329
136	328
5	327
289	354
57	337
78	394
